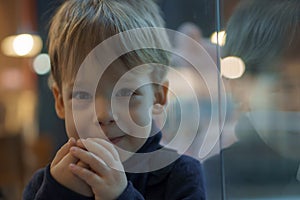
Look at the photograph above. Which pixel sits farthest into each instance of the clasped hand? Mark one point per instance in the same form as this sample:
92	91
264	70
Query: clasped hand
90	167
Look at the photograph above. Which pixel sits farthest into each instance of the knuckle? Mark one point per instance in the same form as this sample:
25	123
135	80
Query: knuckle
88	174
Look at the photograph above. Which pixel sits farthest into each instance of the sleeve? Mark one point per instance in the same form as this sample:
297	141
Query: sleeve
186	180
130	193
43	186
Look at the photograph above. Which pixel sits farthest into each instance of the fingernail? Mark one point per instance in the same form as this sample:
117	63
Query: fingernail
80	140
73	149
71	140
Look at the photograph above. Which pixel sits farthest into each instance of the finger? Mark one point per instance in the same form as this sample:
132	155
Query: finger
82	164
107	145
100	151
106	151
95	162
80	144
86	175
63	151
68	159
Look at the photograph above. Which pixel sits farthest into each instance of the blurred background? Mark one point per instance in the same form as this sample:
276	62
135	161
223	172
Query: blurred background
30	132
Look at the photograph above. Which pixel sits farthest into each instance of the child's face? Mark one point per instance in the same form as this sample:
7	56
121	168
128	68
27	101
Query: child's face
275	109
109	118
279	91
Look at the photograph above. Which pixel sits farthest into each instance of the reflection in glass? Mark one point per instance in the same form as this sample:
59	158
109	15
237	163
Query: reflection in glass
264	162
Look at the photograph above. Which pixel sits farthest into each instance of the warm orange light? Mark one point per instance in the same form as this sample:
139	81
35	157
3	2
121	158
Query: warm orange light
23	45
218	38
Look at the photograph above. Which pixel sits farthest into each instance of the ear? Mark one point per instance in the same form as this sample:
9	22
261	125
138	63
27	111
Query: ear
161	97
59	102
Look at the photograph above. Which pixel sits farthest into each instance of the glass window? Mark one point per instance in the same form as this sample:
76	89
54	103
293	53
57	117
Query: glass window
262	161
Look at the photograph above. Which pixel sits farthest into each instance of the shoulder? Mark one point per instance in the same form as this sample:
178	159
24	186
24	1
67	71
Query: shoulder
34	185
186	179
178	163
37	178
186	167
44	186
182	178
181	164
177	166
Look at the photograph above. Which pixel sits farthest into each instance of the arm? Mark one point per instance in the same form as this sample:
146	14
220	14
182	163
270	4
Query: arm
57	181
34	185
130	193
186	180
60	171
43	186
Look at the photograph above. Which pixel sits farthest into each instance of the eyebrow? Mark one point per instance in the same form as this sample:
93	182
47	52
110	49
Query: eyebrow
79	84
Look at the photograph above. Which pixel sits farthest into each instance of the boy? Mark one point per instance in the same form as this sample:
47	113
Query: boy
264	162
89	165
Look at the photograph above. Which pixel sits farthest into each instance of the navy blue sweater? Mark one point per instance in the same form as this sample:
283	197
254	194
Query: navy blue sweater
183	179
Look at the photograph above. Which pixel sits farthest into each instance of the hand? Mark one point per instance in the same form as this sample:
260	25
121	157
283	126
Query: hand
106	182
62	174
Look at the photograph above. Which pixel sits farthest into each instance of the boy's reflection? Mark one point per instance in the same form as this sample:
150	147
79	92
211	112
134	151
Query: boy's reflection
264	162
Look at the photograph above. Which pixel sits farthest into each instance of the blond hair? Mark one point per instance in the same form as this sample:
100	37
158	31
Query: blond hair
80	25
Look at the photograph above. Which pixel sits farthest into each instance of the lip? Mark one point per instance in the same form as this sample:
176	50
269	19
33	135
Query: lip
115	140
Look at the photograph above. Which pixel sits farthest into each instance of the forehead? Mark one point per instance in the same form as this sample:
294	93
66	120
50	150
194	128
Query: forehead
291	69
95	75
284	69
286	72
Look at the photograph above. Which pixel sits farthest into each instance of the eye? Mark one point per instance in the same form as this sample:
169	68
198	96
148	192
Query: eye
125	92
81	95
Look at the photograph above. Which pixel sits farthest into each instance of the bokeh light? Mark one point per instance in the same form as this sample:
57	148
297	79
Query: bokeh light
218	38
232	67
41	64
23	45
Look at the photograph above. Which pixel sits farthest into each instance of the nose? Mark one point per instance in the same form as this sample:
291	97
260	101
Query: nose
104	112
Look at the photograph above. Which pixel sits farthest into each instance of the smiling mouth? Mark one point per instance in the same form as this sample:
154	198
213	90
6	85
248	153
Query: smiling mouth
115	140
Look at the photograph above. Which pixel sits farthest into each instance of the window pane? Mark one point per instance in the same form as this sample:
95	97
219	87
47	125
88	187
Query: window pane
263	160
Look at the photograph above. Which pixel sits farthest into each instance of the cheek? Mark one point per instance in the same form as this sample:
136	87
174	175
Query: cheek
81	125
288	100
70	126
263	102
262	98
136	111
138	124
141	113
277	101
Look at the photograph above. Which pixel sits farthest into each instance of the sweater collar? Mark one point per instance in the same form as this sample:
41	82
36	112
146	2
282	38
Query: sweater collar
135	163
152	143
